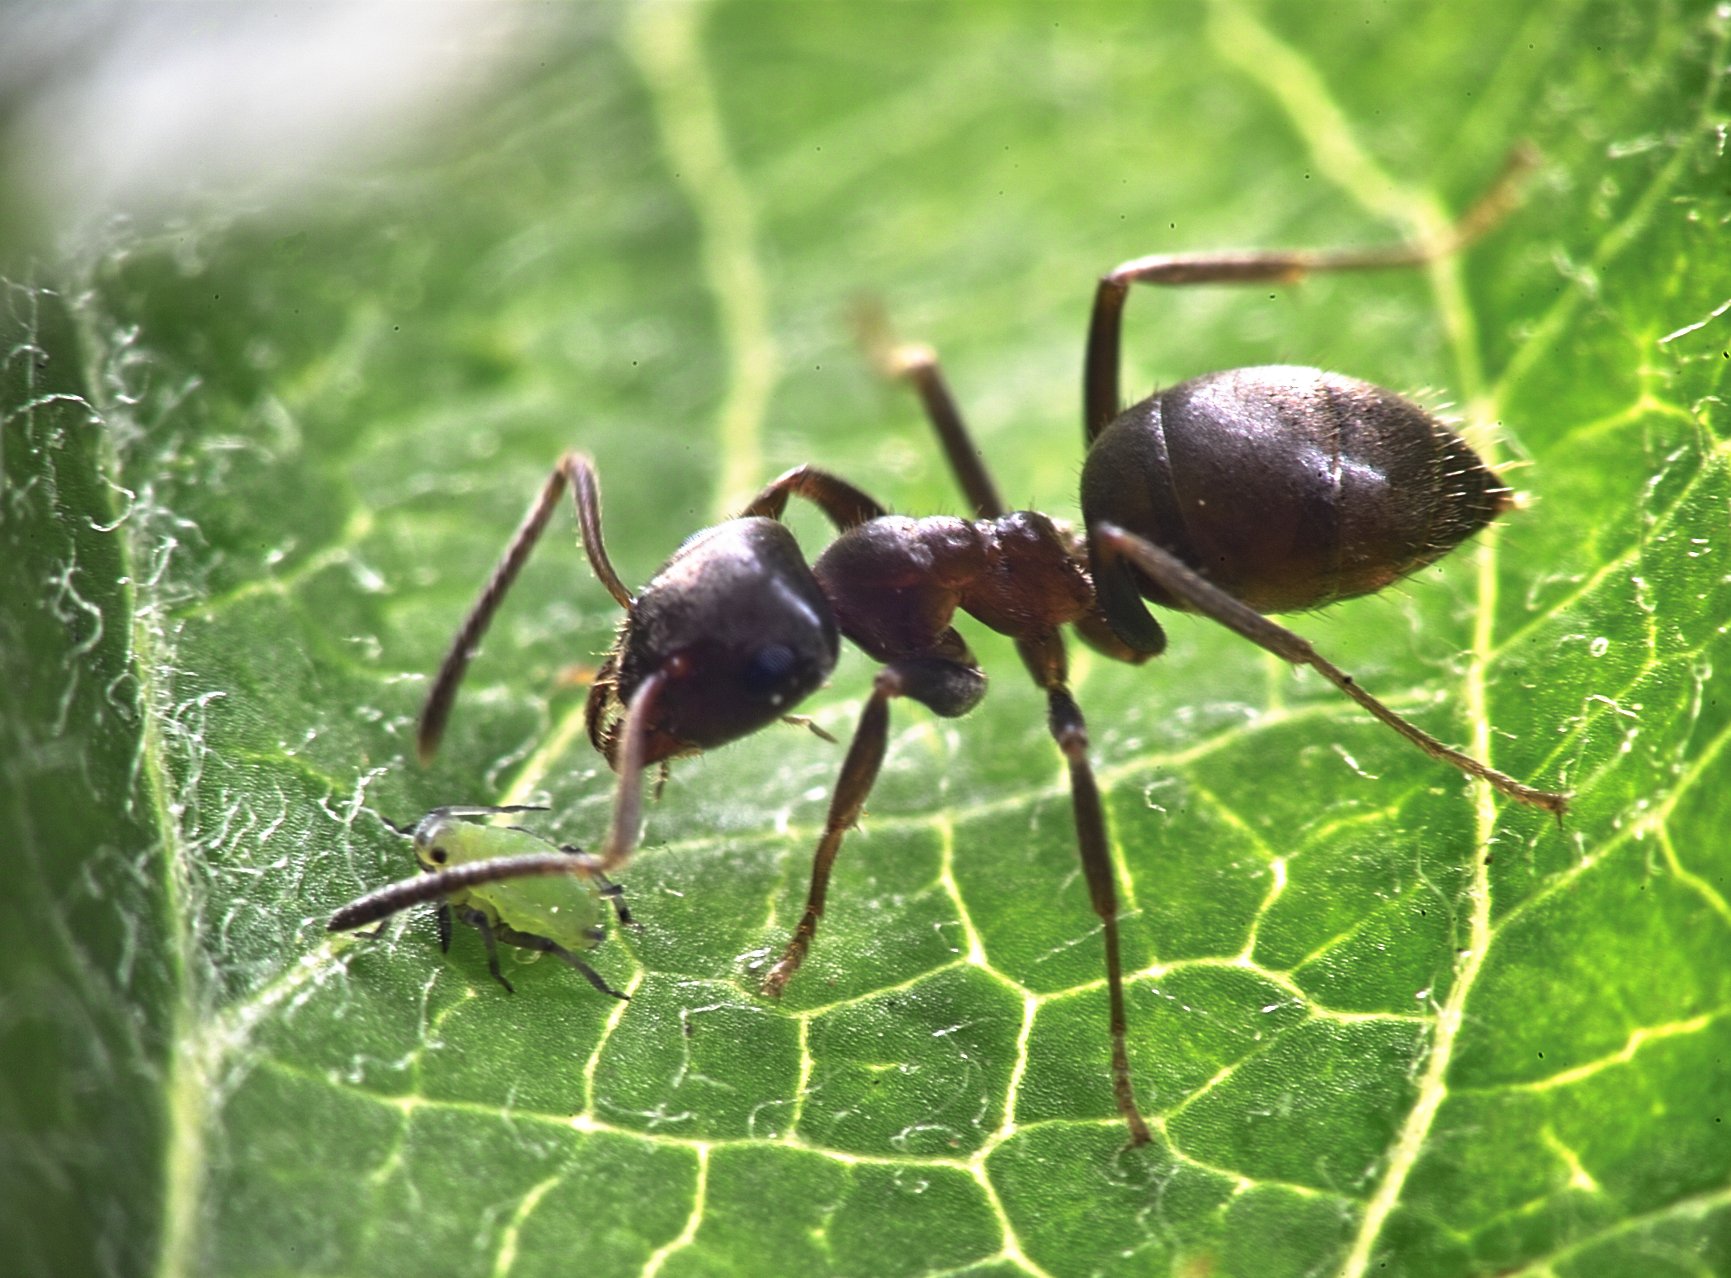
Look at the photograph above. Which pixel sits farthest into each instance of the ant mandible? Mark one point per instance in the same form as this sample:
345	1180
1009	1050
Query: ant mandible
1232	495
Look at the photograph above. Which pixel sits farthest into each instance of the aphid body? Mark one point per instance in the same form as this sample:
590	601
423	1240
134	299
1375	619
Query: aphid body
506	882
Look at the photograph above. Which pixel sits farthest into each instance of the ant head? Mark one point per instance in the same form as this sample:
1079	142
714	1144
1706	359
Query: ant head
738	627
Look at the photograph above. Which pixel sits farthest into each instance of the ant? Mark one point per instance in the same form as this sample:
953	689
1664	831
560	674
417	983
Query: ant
1232	495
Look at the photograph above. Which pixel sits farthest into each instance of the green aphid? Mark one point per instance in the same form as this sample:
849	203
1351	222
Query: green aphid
504	882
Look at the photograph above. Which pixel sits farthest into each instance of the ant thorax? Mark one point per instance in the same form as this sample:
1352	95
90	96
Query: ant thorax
895	583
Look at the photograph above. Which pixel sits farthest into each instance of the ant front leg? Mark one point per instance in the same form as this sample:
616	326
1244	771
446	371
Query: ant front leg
1100	403
1045	660
947	687
846	506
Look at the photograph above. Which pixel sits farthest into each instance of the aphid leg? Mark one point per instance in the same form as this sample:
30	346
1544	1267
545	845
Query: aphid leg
590	974
525	941
574	470
946	687
846	506
606	887
442	917
478	921
810	725
1173	576
917	364
475	810
1046	661
1100	367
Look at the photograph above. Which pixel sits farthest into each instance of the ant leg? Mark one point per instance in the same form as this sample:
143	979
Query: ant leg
433	884
478	921
1100	403
846	506
1046	661
917	364
865	755
577	471
1200	595
947	687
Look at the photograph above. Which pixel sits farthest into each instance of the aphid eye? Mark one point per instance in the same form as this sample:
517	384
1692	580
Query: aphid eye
768	668
439	855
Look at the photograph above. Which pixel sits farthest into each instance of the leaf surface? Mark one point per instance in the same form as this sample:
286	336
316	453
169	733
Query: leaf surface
255	468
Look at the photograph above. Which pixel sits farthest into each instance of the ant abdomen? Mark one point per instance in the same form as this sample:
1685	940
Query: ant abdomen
1287	487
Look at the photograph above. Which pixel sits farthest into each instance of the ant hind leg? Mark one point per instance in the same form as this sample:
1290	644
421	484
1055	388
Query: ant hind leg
1100	404
1207	599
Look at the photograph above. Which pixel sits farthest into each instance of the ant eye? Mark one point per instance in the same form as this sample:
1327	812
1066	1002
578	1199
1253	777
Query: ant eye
768	668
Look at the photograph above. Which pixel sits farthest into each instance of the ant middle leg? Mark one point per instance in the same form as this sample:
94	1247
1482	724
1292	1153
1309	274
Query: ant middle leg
1100	403
917	364
1046	662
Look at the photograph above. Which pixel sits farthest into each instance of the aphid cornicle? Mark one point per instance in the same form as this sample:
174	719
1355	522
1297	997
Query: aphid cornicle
506	882
1254	490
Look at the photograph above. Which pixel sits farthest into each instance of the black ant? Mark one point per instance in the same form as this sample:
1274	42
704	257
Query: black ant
1233	494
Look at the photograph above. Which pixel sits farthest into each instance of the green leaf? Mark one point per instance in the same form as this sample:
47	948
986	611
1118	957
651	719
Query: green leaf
254	466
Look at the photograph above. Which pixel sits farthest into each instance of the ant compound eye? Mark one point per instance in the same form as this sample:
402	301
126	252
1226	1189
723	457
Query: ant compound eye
768	669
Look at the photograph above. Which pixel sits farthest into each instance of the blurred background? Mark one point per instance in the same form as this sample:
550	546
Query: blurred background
302	302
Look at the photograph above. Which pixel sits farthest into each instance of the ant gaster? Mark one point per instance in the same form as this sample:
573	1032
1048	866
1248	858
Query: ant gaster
1231	495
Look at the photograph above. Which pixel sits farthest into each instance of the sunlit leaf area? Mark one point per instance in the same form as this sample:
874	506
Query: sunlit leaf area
297	317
